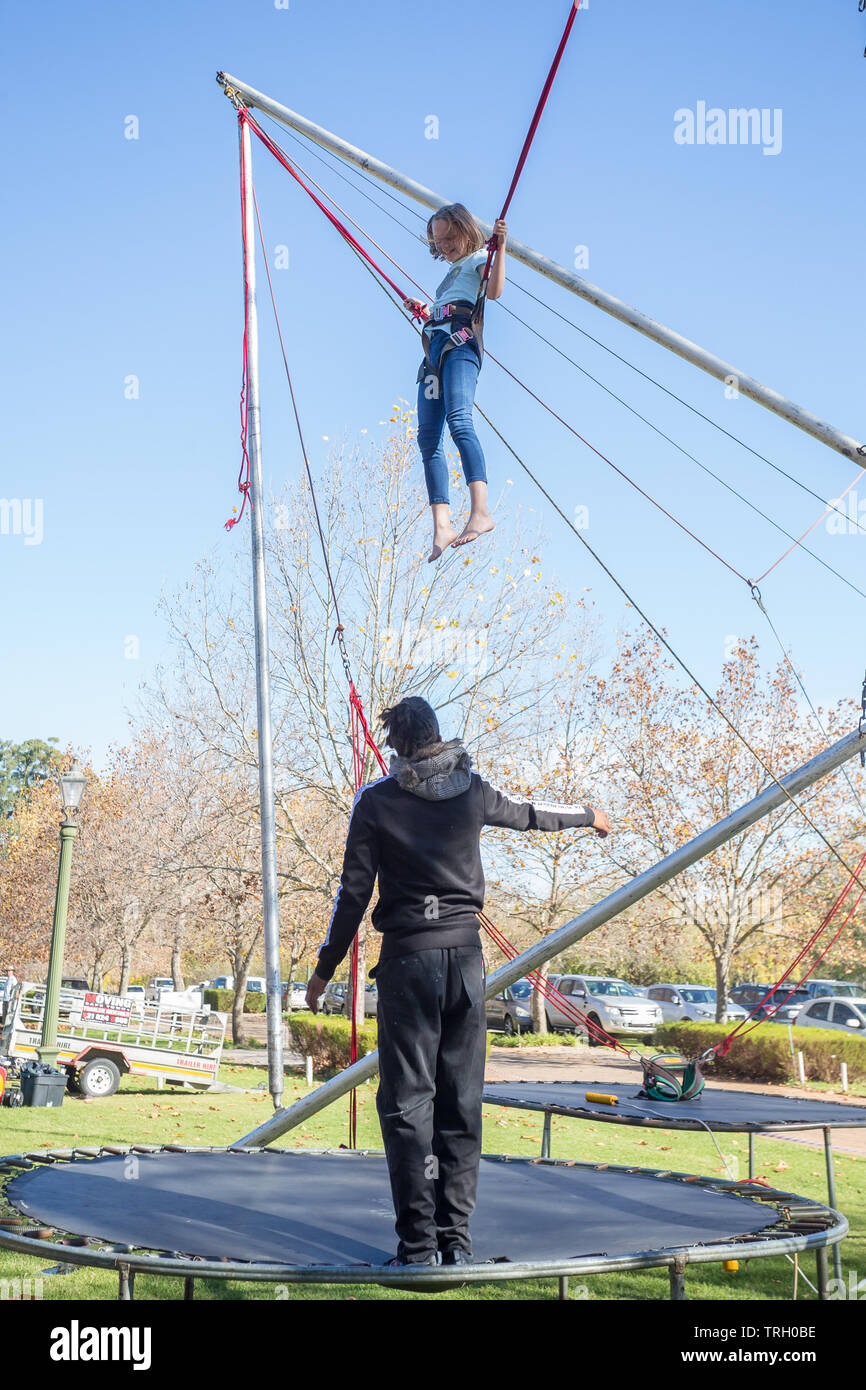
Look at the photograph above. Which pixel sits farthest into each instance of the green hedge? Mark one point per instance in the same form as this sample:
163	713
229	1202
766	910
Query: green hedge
223	999
765	1054
328	1039
534	1040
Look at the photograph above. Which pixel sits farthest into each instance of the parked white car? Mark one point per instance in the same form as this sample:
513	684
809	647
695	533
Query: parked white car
607	1001
846	1015
691	1004
159	982
294	995
181	1001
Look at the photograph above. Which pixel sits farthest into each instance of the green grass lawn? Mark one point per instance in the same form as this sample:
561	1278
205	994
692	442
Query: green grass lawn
139	1113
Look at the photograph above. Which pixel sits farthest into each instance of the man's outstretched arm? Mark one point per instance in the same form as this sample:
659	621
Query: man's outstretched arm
518	813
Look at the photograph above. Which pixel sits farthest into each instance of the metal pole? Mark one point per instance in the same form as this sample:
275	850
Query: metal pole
270	898
596	916
48	1048
831	1198
575	284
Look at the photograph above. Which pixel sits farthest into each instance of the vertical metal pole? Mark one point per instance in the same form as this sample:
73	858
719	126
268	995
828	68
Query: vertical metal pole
545	1136
48	1048
270	899
751	1153
678	1279
831	1198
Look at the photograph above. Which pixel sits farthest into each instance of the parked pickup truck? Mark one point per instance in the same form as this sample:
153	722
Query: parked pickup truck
609	1003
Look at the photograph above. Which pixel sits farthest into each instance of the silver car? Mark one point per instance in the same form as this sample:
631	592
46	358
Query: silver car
691	1003
606	1001
846	1015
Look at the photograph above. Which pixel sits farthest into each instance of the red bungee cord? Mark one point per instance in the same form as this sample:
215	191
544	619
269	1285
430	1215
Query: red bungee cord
244	474
530	135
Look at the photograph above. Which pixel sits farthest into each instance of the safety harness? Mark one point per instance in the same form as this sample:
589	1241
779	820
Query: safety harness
466	321
670	1077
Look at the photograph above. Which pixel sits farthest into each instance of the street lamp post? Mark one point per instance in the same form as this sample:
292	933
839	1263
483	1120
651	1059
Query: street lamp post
71	787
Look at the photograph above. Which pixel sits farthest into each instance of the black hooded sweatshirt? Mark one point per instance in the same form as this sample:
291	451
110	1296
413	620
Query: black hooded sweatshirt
419	830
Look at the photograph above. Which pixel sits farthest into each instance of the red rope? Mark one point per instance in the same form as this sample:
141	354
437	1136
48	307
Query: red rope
244	474
335	221
549	991
533	127
362	739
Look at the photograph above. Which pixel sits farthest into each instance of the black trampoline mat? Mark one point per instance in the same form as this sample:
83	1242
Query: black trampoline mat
717	1109
307	1208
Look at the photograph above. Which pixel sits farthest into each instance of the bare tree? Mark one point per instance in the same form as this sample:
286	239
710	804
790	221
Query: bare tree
476	635
678	768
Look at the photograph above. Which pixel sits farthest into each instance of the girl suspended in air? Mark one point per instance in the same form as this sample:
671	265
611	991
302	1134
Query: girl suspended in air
453	351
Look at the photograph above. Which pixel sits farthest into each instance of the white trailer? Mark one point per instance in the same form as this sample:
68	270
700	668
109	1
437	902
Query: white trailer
102	1037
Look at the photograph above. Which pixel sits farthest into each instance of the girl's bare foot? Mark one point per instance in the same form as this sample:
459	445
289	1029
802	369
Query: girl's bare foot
443	536
476	526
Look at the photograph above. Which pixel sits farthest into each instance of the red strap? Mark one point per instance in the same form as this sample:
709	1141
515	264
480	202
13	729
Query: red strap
542	102
244	474
550	992
362	739
533	127
244	115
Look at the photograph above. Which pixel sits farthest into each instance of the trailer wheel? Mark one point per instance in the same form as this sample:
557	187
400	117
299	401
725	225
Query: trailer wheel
100	1077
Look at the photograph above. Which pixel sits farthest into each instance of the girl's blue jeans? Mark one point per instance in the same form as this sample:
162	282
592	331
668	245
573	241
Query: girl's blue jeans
452	402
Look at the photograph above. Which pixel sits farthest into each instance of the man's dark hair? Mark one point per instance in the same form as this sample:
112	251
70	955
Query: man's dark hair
410	725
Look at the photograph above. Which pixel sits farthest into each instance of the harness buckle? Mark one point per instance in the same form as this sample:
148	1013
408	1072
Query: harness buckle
460	335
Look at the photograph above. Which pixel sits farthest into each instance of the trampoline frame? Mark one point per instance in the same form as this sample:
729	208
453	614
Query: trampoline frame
609	1116
801	1225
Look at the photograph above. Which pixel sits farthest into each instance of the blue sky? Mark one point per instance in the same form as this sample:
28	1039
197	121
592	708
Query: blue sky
125	262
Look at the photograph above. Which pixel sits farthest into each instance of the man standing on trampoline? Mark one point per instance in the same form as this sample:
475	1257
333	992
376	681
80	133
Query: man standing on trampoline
418	831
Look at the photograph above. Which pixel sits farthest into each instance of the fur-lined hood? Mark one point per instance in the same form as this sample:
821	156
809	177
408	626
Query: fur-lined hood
436	773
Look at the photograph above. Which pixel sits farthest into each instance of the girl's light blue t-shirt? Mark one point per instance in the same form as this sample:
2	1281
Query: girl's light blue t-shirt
461	282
